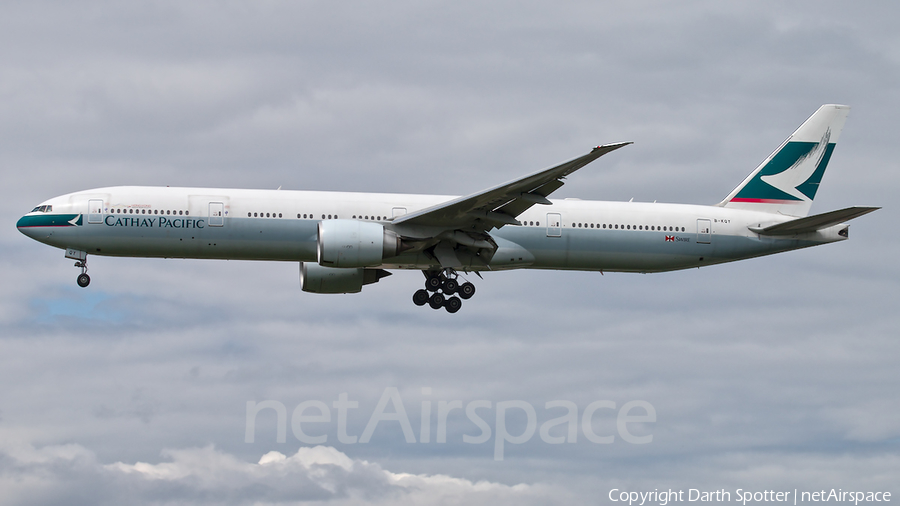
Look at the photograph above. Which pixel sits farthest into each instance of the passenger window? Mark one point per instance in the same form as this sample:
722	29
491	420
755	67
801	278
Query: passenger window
537	224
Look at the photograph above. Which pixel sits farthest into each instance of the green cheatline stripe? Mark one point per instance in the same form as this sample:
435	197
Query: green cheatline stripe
48	220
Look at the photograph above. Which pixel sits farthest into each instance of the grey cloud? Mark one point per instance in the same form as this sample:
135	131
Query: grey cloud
776	371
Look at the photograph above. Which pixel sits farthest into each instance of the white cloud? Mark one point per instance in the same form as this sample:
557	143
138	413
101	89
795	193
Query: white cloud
209	476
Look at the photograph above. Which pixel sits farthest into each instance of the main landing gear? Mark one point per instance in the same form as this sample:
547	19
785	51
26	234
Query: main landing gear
446	281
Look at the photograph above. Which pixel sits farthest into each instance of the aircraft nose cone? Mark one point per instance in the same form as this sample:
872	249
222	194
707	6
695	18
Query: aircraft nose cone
22	225
26	226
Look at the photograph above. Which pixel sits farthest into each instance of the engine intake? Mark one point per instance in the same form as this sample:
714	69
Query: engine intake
315	278
353	243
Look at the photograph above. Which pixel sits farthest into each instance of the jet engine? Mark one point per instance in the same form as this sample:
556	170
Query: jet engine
315	278
353	243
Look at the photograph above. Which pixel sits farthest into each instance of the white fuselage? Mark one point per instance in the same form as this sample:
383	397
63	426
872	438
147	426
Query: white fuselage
282	225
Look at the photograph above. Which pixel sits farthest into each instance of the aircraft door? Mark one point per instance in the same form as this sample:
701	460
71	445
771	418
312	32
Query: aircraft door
216	214
704	231
554	225
397	212
95	211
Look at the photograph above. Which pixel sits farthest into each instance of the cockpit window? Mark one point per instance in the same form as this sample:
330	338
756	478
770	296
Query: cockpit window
42	209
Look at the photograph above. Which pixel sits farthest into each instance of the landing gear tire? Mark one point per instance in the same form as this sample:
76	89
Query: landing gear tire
433	283
450	286
452	304
466	290
83	280
436	301
420	298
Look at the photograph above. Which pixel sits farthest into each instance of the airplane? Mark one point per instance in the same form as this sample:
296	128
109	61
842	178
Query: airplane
344	241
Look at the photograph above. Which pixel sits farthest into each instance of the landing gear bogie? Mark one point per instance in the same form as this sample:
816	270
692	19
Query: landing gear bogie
443	290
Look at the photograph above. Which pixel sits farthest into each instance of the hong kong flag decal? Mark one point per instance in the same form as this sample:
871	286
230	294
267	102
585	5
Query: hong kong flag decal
670	238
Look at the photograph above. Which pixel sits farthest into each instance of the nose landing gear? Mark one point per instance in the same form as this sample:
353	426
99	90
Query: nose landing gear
83	279
80	258
445	281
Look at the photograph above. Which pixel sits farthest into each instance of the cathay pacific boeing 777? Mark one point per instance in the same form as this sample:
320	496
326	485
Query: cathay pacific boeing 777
343	241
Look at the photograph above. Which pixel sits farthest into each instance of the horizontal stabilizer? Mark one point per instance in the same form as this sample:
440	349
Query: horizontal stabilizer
816	222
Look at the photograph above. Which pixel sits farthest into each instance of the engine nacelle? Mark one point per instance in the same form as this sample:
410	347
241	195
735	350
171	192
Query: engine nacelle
353	243
315	278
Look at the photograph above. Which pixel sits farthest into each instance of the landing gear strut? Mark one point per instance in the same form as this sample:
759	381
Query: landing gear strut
445	281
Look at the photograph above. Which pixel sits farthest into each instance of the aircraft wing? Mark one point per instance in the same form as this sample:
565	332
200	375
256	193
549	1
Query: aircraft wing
500	205
815	222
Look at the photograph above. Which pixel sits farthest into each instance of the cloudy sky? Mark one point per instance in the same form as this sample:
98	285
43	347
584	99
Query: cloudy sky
774	373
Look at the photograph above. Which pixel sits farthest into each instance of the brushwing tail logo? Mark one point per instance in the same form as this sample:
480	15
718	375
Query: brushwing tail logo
76	221
791	175
801	171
